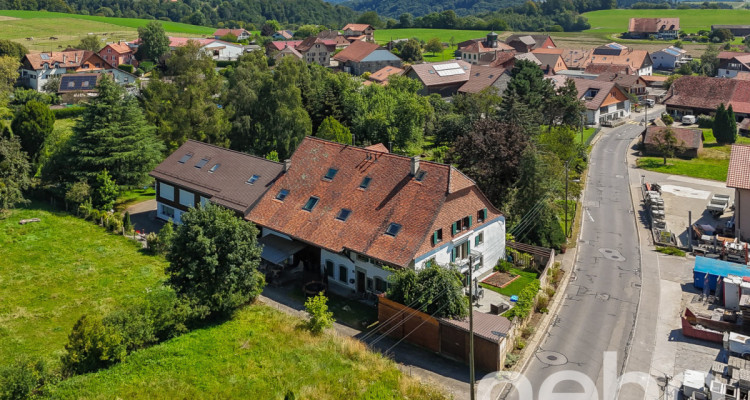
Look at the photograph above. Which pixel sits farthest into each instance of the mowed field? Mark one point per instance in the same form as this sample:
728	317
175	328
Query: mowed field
54	271
383	36
42	26
691	21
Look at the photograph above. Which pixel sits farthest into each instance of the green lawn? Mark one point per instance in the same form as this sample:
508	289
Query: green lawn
515	287
54	271
385	35
691	21
586	135
712	163
260	354
70	28
134	196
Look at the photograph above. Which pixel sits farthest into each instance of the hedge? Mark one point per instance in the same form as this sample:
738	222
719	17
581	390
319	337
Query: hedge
525	304
126	67
225	63
68	112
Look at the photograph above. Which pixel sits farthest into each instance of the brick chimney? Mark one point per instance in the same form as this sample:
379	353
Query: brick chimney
287	164
414	165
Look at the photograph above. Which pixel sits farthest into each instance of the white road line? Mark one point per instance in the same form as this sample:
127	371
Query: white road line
589	214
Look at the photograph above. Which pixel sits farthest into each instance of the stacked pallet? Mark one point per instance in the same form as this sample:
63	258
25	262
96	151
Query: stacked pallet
745	311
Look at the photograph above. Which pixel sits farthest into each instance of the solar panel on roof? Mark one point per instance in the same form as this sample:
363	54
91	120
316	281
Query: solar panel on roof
442	67
451	72
45	56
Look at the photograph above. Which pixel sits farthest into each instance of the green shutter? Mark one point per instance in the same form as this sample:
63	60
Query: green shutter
454	228
476	240
434	238
470	221
453	254
468	246
484	214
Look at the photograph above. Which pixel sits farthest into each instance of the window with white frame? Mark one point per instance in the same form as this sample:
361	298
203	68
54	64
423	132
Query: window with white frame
166	191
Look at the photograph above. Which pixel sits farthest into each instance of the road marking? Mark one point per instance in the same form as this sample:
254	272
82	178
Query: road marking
589	214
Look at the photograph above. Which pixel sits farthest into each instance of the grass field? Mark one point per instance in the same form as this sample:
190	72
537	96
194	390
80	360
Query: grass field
134	196
260	354
712	163
691	21
54	271
515	287
70	28
383	36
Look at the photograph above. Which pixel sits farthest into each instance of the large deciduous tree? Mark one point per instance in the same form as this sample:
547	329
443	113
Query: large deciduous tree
331	129
112	134
90	43
32	124
433	290
213	260
154	42
490	154
13	49
411	51
185	106
14	173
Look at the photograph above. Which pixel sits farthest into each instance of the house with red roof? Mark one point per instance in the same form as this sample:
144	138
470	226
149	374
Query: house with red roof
355	32
738	177
696	95
730	65
689	141
118	53
447	78
361	57
354	214
37	68
217	49
604	101
657	28
483	52
317	51
240	33
381	76
279	45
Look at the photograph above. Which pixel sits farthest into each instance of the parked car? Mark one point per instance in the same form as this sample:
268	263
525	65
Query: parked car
689	119
718	204
737	344
648	103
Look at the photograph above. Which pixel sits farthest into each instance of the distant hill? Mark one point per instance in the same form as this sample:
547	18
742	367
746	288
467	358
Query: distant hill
201	12
417	8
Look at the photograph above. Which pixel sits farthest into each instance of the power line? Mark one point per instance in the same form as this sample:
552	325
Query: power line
403	321
526	218
414	330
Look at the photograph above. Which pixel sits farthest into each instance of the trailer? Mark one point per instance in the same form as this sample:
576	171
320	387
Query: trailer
718	204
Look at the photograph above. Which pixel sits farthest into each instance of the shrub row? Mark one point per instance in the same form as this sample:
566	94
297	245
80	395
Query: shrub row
525	303
68	112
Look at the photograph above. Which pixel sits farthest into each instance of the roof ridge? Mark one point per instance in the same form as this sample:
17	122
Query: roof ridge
233	151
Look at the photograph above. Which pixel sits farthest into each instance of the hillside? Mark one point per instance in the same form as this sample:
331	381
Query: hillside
394	8
616	21
203	12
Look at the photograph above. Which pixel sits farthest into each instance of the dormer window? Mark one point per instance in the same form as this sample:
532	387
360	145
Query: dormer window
344	214
71	84
214	168
85	84
330	174
393	229
201	163
282	195
184	158
420	176
311	203
253	179
365	182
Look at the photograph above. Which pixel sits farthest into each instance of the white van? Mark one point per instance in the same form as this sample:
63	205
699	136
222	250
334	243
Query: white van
648	103
688	119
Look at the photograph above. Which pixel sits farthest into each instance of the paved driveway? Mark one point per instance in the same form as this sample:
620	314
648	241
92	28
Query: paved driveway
143	215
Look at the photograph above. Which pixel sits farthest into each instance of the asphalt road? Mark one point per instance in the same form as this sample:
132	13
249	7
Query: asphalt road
599	309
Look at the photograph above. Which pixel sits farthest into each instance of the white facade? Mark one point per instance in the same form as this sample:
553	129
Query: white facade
166	212
223	51
37	79
353	273
645	71
487	251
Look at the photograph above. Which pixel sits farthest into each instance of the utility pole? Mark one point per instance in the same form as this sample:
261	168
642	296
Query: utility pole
567	163
471	325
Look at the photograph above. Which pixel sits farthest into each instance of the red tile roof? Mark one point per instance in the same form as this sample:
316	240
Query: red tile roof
739	167
603	89
356	27
235	32
575	59
227	185
119	47
480	78
66	59
480	47
653	25
393	196
281	44
688	138
636	59
707	93
384	73
311	41
378	147
609	69
429	76
356	51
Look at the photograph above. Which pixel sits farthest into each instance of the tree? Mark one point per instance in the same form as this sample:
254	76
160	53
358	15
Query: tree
529	87
490	154
434	46
725	125
154	42
667	119
14	173
436	290
8	75
732	124
104	191
229	37
13	49
684	69
78	193
370	18
320	318
90	43
22	378
722	35
306	31
32	124
411	51
127	224
112	134
331	129
166	235
670	80
185	107
565	108
405	20
710	60
667	143
52	84
213	260
270	27
91	346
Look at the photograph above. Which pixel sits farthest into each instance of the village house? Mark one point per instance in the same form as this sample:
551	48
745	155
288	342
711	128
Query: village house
736	30
118	53
575	59
333	36
484	51
316	51
527	43
616	54
551	61
482	77
361	57
657	28
286	52
275	46
689	141
696	95
738	177
354	214
282	35
447	78
382	75
219	50
732	63
75	88
198	172
632	84
359	32
240	33
37	68
604	101
669	58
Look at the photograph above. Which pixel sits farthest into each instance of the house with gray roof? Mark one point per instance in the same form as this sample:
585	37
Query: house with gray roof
361	57
669	58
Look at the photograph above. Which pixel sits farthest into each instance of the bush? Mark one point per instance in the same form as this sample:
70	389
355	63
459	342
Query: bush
126	67
542	301
511	360
527	332
91	346
152	242
520	344
138	72
225	63
78	193
550	291
166	234
320	318
525	301
127	225
146	66
672	251
68	112
705	121
22	378
667	119
503	266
